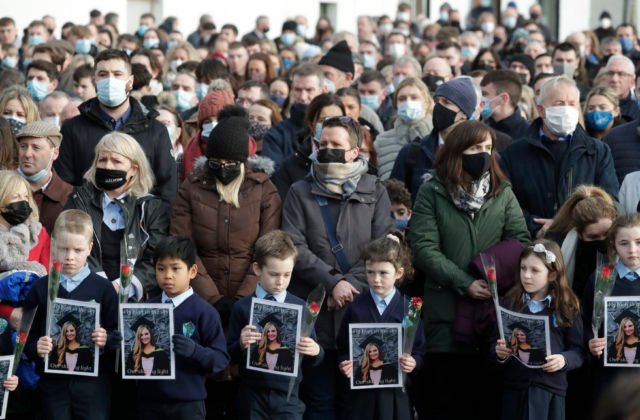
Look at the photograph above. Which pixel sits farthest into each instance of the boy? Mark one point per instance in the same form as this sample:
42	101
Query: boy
198	341
264	395
400	203
66	396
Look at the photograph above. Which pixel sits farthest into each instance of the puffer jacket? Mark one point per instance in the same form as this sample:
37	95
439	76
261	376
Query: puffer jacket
225	235
146	218
389	143
444	240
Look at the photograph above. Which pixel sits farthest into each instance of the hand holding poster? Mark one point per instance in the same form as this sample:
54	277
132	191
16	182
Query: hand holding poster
621	316
527	336
375	351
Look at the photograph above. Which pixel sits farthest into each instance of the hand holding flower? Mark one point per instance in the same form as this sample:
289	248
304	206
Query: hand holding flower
596	346
308	347
407	363
44	346
502	351
99	337
346	368
11	383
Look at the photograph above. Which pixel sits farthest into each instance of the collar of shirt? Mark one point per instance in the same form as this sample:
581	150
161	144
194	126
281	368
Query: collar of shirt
112	214
262	294
560	138
623	271
440	140
115	125
70	283
378	300
178	300
536	306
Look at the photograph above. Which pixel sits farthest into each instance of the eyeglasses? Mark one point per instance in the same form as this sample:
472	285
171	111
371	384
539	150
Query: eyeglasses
620	74
215	164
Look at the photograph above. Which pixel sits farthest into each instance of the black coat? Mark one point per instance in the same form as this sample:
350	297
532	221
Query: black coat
284	363
389	376
531	168
85	362
82	133
624	142
161	364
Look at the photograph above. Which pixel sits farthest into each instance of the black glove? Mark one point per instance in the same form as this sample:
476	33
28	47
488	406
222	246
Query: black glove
114	339
183	346
224	307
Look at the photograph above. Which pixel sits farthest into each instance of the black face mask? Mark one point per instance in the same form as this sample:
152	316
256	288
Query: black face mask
110	179
433	82
591	247
17	213
476	164
523	78
225	174
443	117
331	156
519	47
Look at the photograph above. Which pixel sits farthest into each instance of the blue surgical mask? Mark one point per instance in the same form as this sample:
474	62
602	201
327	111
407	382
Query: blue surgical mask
171	45
83	46
469	53
38	175
142	30
10	62
301	30
150	43
318	132
331	87
35	40
390	89
369	61
287	39
486	111
627	44
397	80
111	92
38	90
183	99
287	63
410	111
201	90
401	224
278	99
598	120
207	128
372	101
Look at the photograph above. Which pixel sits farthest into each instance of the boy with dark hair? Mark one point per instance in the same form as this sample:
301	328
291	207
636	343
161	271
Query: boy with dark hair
501	90
198	341
83	82
263	395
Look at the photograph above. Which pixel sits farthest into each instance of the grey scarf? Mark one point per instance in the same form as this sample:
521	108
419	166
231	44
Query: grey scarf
471	202
338	178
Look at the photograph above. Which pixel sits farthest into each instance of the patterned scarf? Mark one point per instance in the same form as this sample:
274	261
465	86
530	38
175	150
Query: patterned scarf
471	202
338	178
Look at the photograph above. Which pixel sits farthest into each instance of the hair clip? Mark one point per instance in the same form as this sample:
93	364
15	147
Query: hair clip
393	238
550	257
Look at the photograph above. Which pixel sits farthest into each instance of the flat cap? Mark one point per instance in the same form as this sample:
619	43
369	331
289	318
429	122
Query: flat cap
41	129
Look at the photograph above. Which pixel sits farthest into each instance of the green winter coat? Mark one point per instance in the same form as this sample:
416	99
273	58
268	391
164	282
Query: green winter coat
444	240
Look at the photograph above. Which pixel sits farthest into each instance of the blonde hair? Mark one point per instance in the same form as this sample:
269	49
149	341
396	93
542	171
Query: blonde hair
230	193
75	222
23	96
191	53
515	345
9	183
365	363
123	144
62	341
620	338
607	92
585	206
424	91
262	347
137	345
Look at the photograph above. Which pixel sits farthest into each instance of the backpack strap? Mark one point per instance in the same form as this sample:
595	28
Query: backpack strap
330	227
410	163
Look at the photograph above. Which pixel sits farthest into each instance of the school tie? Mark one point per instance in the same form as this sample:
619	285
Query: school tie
382	305
170	301
270	297
632	276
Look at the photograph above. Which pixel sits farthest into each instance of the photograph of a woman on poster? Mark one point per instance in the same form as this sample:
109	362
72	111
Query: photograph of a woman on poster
69	353
522	348
625	346
372	369
271	354
147	358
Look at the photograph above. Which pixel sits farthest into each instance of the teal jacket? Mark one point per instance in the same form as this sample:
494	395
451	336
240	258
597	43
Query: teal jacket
444	240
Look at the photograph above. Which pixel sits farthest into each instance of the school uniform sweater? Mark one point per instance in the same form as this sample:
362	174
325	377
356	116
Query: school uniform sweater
92	289
567	341
253	378
210	355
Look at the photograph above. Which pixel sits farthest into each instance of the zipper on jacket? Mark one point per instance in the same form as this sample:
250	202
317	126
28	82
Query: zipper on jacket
570	181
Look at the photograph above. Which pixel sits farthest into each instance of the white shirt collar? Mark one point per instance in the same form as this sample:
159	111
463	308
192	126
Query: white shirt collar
261	293
177	300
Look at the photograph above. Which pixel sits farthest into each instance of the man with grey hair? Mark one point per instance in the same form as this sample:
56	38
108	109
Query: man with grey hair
620	75
555	157
281	140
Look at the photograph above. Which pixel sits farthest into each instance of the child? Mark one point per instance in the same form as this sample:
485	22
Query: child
542	289
198	339
623	239
386	262
262	395
400	203
65	396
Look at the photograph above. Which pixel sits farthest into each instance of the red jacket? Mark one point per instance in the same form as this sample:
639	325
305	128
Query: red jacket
41	251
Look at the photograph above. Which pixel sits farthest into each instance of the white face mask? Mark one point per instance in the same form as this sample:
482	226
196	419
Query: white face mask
561	120
55	120
396	50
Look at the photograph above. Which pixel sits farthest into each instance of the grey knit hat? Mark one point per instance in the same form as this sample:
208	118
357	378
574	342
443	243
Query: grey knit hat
461	92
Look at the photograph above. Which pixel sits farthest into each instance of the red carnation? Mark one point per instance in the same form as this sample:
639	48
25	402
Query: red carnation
314	307
125	269
606	271
491	274
416	303
22	337
57	266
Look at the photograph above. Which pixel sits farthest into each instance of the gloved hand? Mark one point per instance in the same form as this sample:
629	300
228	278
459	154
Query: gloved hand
183	346
114	339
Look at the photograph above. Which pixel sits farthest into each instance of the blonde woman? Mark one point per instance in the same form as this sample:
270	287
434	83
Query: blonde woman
372	369
602	111
271	353
625	346
146	357
17	107
415	106
176	56
70	353
116	194
224	206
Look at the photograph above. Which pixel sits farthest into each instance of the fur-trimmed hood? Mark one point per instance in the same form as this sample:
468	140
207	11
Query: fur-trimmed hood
15	244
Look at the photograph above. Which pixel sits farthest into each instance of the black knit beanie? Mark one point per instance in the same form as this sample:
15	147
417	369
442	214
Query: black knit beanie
339	57
229	140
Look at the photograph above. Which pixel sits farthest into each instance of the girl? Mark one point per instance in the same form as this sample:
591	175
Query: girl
386	262
542	289
146	357
585	219
624	241
602	111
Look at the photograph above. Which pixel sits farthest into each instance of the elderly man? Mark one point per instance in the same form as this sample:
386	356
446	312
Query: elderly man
38	149
556	156
436	71
620	76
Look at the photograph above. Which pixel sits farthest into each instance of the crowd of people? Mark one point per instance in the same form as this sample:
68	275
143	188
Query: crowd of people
379	165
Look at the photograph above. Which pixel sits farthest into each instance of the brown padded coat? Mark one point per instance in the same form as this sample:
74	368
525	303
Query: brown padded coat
225	235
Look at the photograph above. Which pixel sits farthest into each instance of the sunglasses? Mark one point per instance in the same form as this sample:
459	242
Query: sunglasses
345	122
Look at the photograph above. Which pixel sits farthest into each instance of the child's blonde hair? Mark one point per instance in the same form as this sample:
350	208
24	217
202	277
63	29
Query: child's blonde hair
75	222
10	181
563	301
